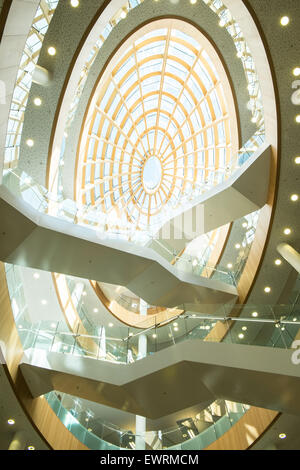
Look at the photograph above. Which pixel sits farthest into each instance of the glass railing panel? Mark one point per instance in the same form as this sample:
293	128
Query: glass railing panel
21	184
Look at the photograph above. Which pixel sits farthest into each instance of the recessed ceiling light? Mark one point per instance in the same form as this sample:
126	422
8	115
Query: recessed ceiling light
245	224
95	310
84	293
36	276
31	448
238	246
254	314
284	21
53	325
229	265
287	231
110	325
193	2
51	50
244	328
296	71
30	142
154	336
74	3
294	197
267	290
282	435
37	101
123	14
175	324
195	262
241	335
298	119
11	421
176	328
278	262
297	160
44	302
295	319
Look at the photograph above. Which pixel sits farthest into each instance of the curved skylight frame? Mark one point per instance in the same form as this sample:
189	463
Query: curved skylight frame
195	134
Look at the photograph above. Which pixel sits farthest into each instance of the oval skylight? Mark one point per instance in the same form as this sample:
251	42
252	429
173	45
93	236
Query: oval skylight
161	125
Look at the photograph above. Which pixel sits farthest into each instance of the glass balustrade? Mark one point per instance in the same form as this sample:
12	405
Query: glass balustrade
276	327
195	432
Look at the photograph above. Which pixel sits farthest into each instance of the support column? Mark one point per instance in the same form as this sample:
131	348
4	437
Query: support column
290	255
18	441
140	421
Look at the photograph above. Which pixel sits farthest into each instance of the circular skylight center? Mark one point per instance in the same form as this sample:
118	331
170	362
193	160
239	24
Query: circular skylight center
152	174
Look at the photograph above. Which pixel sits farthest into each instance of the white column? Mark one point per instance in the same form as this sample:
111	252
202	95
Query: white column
18	441
140	421
290	255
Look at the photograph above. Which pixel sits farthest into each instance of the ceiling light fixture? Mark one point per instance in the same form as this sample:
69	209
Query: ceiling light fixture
284	21
74	3
31	448
254	314
297	160
11	421
294	197
267	290
30	142
229	265
287	231
241	335
238	246
36	276
51	51
278	262
298	119
282	435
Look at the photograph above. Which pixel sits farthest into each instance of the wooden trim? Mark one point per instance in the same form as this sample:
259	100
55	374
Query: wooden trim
246	431
3	16
37	410
273	136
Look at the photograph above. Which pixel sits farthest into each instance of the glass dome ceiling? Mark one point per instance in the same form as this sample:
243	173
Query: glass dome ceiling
161	126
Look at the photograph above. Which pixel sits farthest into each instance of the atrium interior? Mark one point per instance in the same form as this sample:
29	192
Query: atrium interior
149	207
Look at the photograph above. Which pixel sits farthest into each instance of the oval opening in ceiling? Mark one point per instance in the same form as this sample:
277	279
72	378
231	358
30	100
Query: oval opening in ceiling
161	126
